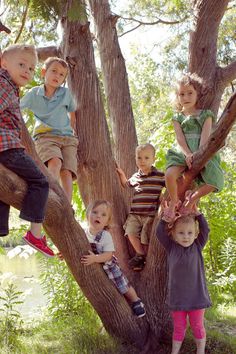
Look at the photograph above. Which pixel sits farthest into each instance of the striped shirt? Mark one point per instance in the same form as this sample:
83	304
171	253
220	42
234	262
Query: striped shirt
147	190
10	115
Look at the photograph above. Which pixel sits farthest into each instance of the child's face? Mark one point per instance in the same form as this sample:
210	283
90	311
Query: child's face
145	159
185	233
187	96
20	67
55	75
99	218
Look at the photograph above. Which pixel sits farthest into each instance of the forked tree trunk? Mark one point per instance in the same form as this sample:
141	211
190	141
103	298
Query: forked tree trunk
98	179
69	237
203	51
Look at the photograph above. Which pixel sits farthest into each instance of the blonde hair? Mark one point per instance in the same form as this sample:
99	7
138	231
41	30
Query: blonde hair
20	48
185	219
48	62
187	80
144	147
95	204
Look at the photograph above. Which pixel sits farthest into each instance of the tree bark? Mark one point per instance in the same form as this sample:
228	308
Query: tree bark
96	168
116	85
70	239
203	51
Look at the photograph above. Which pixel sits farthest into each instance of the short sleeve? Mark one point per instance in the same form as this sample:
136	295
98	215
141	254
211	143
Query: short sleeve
206	114
107	242
132	181
26	100
71	103
178	117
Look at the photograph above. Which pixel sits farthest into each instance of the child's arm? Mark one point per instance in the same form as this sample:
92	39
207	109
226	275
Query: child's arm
183	144
163	236
96	258
122	176
73	120
203	230
206	131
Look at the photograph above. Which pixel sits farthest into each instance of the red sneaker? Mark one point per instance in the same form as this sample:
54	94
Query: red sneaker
40	244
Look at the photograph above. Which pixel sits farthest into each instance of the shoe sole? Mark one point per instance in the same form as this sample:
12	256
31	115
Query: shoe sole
137	269
140	316
37	249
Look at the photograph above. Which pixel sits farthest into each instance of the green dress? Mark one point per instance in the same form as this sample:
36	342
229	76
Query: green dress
212	173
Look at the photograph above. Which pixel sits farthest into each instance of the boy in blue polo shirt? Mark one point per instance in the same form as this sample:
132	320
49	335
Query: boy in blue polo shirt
54	112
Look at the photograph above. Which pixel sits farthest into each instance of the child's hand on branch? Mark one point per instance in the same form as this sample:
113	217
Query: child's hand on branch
189	160
89	259
120	171
122	176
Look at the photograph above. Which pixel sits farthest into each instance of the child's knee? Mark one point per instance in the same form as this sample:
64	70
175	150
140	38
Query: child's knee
180	325
198	330
179	332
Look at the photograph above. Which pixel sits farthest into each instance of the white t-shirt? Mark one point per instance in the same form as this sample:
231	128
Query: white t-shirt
105	244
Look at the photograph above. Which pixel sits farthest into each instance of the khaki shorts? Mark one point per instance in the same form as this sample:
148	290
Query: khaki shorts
139	226
63	147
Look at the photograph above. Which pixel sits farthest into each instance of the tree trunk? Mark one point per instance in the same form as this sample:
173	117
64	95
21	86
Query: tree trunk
116	86
96	168
70	239
203	51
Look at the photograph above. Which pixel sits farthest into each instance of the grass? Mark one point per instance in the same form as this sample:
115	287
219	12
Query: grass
71	336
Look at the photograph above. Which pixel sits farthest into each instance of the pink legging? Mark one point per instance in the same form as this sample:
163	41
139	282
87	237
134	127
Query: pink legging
196	320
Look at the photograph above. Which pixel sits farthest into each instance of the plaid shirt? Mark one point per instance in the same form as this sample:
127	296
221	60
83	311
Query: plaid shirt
10	115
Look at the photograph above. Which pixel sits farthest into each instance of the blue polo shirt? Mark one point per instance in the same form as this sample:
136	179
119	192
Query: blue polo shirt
51	114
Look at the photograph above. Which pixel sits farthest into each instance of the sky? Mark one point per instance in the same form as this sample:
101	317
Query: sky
148	39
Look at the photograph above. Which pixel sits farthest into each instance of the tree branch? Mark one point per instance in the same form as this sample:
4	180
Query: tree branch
131	30
4	28
22	23
67	234
143	23
152	23
215	142
229	72
46	52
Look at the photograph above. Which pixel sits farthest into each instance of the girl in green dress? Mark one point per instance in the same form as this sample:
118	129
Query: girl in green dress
192	127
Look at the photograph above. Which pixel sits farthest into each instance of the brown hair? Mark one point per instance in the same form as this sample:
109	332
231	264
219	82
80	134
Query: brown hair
95	204
146	146
185	219
20	48
186	80
48	62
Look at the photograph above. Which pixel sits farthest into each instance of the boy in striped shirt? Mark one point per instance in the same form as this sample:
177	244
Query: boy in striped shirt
147	183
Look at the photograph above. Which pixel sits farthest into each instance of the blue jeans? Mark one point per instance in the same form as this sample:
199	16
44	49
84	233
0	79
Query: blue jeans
35	199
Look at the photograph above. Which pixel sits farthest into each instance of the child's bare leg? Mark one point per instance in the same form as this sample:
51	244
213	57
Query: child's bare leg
176	345
35	229
201	343
145	248
171	176
137	245
131	295
54	166
195	196
67	183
